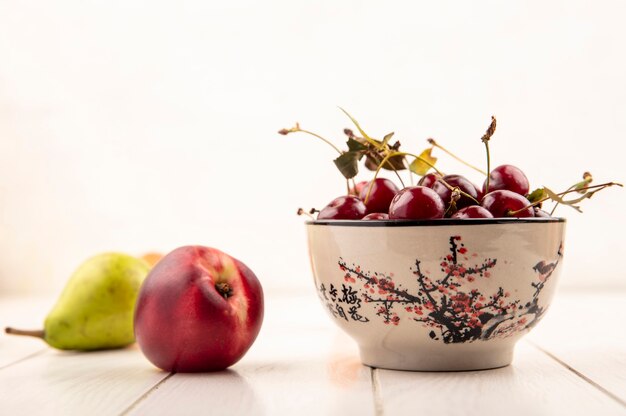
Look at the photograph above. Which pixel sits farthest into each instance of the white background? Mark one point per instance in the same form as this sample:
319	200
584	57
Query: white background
143	125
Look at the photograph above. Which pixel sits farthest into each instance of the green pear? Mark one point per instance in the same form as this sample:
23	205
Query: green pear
95	309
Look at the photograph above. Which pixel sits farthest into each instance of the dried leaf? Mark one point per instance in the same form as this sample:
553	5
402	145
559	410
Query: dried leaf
419	167
556	198
374	159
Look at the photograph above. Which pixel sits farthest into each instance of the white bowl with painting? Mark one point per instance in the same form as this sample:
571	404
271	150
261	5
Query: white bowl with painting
436	295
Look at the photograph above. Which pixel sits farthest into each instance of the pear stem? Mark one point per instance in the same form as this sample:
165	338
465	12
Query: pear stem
38	333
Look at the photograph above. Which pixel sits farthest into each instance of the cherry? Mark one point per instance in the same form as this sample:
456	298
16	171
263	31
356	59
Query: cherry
428	180
541	213
507	177
473	211
383	191
456	181
479	192
343	208
502	202
356	191
416	203
376	216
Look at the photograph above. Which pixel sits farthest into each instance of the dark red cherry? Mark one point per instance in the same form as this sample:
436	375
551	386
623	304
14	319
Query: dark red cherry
376	216
507	177
416	203
541	213
429	180
479	192
343	208
473	211
356	191
456	181
383	191
501	203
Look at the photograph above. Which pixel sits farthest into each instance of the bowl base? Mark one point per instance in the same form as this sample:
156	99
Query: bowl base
453	360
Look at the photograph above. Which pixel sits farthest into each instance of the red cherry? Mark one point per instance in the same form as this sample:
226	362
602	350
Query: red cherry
541	213
501	203
376	216
383	191
356	191
429	180
473	211
479	192
416	203
456	181
343	208
507	177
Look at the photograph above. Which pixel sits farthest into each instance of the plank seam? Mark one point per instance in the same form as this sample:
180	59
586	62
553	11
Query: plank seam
579	374
376	391
36	353
145	395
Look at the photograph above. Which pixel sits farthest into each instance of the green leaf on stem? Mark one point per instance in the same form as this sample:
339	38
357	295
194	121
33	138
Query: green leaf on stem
537	195
348	164
356	146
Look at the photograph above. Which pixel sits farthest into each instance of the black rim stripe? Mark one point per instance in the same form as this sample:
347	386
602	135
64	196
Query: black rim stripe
436	222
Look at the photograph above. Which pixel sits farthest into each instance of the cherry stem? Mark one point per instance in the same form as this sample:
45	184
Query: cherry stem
485	139
557	203
437	145
382	163
399	178
389	156
569	191
587	178
297	129
371	141
406	163
488	167
308	214
453	188
38	333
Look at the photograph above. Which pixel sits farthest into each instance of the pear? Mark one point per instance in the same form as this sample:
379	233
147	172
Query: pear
95	309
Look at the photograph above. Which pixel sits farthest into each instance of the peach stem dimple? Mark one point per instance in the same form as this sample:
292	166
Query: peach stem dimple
224	289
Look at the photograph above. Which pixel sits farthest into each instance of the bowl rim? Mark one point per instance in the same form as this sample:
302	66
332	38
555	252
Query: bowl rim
438	222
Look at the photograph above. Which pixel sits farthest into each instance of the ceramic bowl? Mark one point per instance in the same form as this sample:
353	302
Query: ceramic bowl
436	295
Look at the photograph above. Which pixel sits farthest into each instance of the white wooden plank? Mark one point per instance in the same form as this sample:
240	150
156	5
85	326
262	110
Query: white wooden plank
300	364
533	385
586	331
67	383
25	314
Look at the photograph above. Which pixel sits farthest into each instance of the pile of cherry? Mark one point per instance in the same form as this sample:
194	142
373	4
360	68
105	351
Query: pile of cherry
437	196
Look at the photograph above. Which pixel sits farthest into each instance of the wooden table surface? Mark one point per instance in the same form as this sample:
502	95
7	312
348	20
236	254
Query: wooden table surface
573	363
